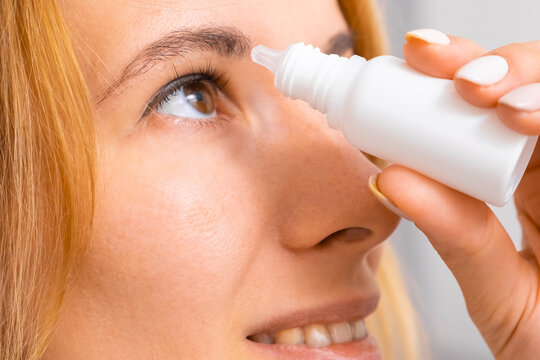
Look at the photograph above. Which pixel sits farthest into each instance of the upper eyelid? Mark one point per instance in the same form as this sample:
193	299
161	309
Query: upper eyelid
210	74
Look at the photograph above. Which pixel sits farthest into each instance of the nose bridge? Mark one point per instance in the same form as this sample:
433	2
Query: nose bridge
319	181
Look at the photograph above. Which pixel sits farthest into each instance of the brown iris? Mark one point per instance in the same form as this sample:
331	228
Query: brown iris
200	96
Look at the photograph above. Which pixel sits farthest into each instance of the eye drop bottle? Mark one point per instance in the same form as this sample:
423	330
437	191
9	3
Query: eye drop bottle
391	111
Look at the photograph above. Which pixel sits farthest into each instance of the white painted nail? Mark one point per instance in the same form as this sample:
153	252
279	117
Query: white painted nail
523	98
485	70
428	35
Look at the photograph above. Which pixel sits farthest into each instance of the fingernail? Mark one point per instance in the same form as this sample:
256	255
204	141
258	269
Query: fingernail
383	199
523	98
431	36
485	70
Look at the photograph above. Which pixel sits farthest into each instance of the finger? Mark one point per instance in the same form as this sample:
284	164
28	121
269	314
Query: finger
531	232
437	54
520	109
472	243
484	80
527	195
527	201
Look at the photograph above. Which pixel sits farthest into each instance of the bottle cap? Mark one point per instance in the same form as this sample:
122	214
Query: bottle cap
269	58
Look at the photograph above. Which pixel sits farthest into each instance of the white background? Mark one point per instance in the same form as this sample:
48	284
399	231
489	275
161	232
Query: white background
491	23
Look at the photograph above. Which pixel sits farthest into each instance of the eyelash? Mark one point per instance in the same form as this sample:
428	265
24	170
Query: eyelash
208	73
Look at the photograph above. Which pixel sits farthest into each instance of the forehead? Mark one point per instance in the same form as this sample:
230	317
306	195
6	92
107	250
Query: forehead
107	33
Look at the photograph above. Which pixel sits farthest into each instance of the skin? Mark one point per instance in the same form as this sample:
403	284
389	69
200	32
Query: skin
202	233
500	285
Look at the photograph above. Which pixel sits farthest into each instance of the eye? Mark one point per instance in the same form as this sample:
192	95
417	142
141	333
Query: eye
192	96
195	100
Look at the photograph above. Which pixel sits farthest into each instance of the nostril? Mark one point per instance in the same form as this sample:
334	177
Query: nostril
347	235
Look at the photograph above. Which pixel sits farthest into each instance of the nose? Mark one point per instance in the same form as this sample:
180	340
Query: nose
347	235
315	181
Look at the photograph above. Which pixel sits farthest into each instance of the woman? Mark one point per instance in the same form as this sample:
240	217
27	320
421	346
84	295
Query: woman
225	216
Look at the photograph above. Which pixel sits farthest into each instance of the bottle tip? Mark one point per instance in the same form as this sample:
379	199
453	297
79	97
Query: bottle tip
269	58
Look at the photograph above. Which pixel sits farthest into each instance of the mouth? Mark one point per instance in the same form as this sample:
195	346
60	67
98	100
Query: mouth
334	332
316	335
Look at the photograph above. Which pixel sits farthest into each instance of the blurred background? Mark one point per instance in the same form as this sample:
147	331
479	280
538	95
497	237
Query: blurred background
491	23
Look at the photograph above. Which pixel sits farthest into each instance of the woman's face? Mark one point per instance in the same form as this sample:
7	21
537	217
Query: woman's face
224	210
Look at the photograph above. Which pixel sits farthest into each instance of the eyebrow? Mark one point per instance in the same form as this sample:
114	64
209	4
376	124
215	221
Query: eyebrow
224	41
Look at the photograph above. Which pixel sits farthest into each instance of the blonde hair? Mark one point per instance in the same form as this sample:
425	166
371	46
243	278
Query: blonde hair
46	182
47	155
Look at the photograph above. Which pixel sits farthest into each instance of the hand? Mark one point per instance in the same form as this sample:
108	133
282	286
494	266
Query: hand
500	285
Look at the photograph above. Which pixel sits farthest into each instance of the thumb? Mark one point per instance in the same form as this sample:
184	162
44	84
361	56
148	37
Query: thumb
472	243
527	194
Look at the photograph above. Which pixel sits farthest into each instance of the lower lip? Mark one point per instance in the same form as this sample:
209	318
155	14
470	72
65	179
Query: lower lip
365	349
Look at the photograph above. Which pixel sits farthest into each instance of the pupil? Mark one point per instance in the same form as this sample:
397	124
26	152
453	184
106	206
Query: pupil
200	97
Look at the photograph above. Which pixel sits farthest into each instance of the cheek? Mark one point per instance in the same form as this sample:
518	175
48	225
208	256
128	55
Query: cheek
169	243
374	258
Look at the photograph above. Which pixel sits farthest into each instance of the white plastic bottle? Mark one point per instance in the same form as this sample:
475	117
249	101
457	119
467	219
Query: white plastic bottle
389	110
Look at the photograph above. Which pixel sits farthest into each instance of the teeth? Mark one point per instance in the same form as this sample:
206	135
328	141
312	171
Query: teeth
316	335
340	332
290	336
359	330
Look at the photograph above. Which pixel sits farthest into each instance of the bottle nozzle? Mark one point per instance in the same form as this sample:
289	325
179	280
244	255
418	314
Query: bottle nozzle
269	58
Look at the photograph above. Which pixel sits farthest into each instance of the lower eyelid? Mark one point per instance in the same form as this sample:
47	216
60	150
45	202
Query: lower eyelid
156	119
226	111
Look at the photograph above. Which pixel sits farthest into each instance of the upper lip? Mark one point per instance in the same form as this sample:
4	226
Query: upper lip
352	309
